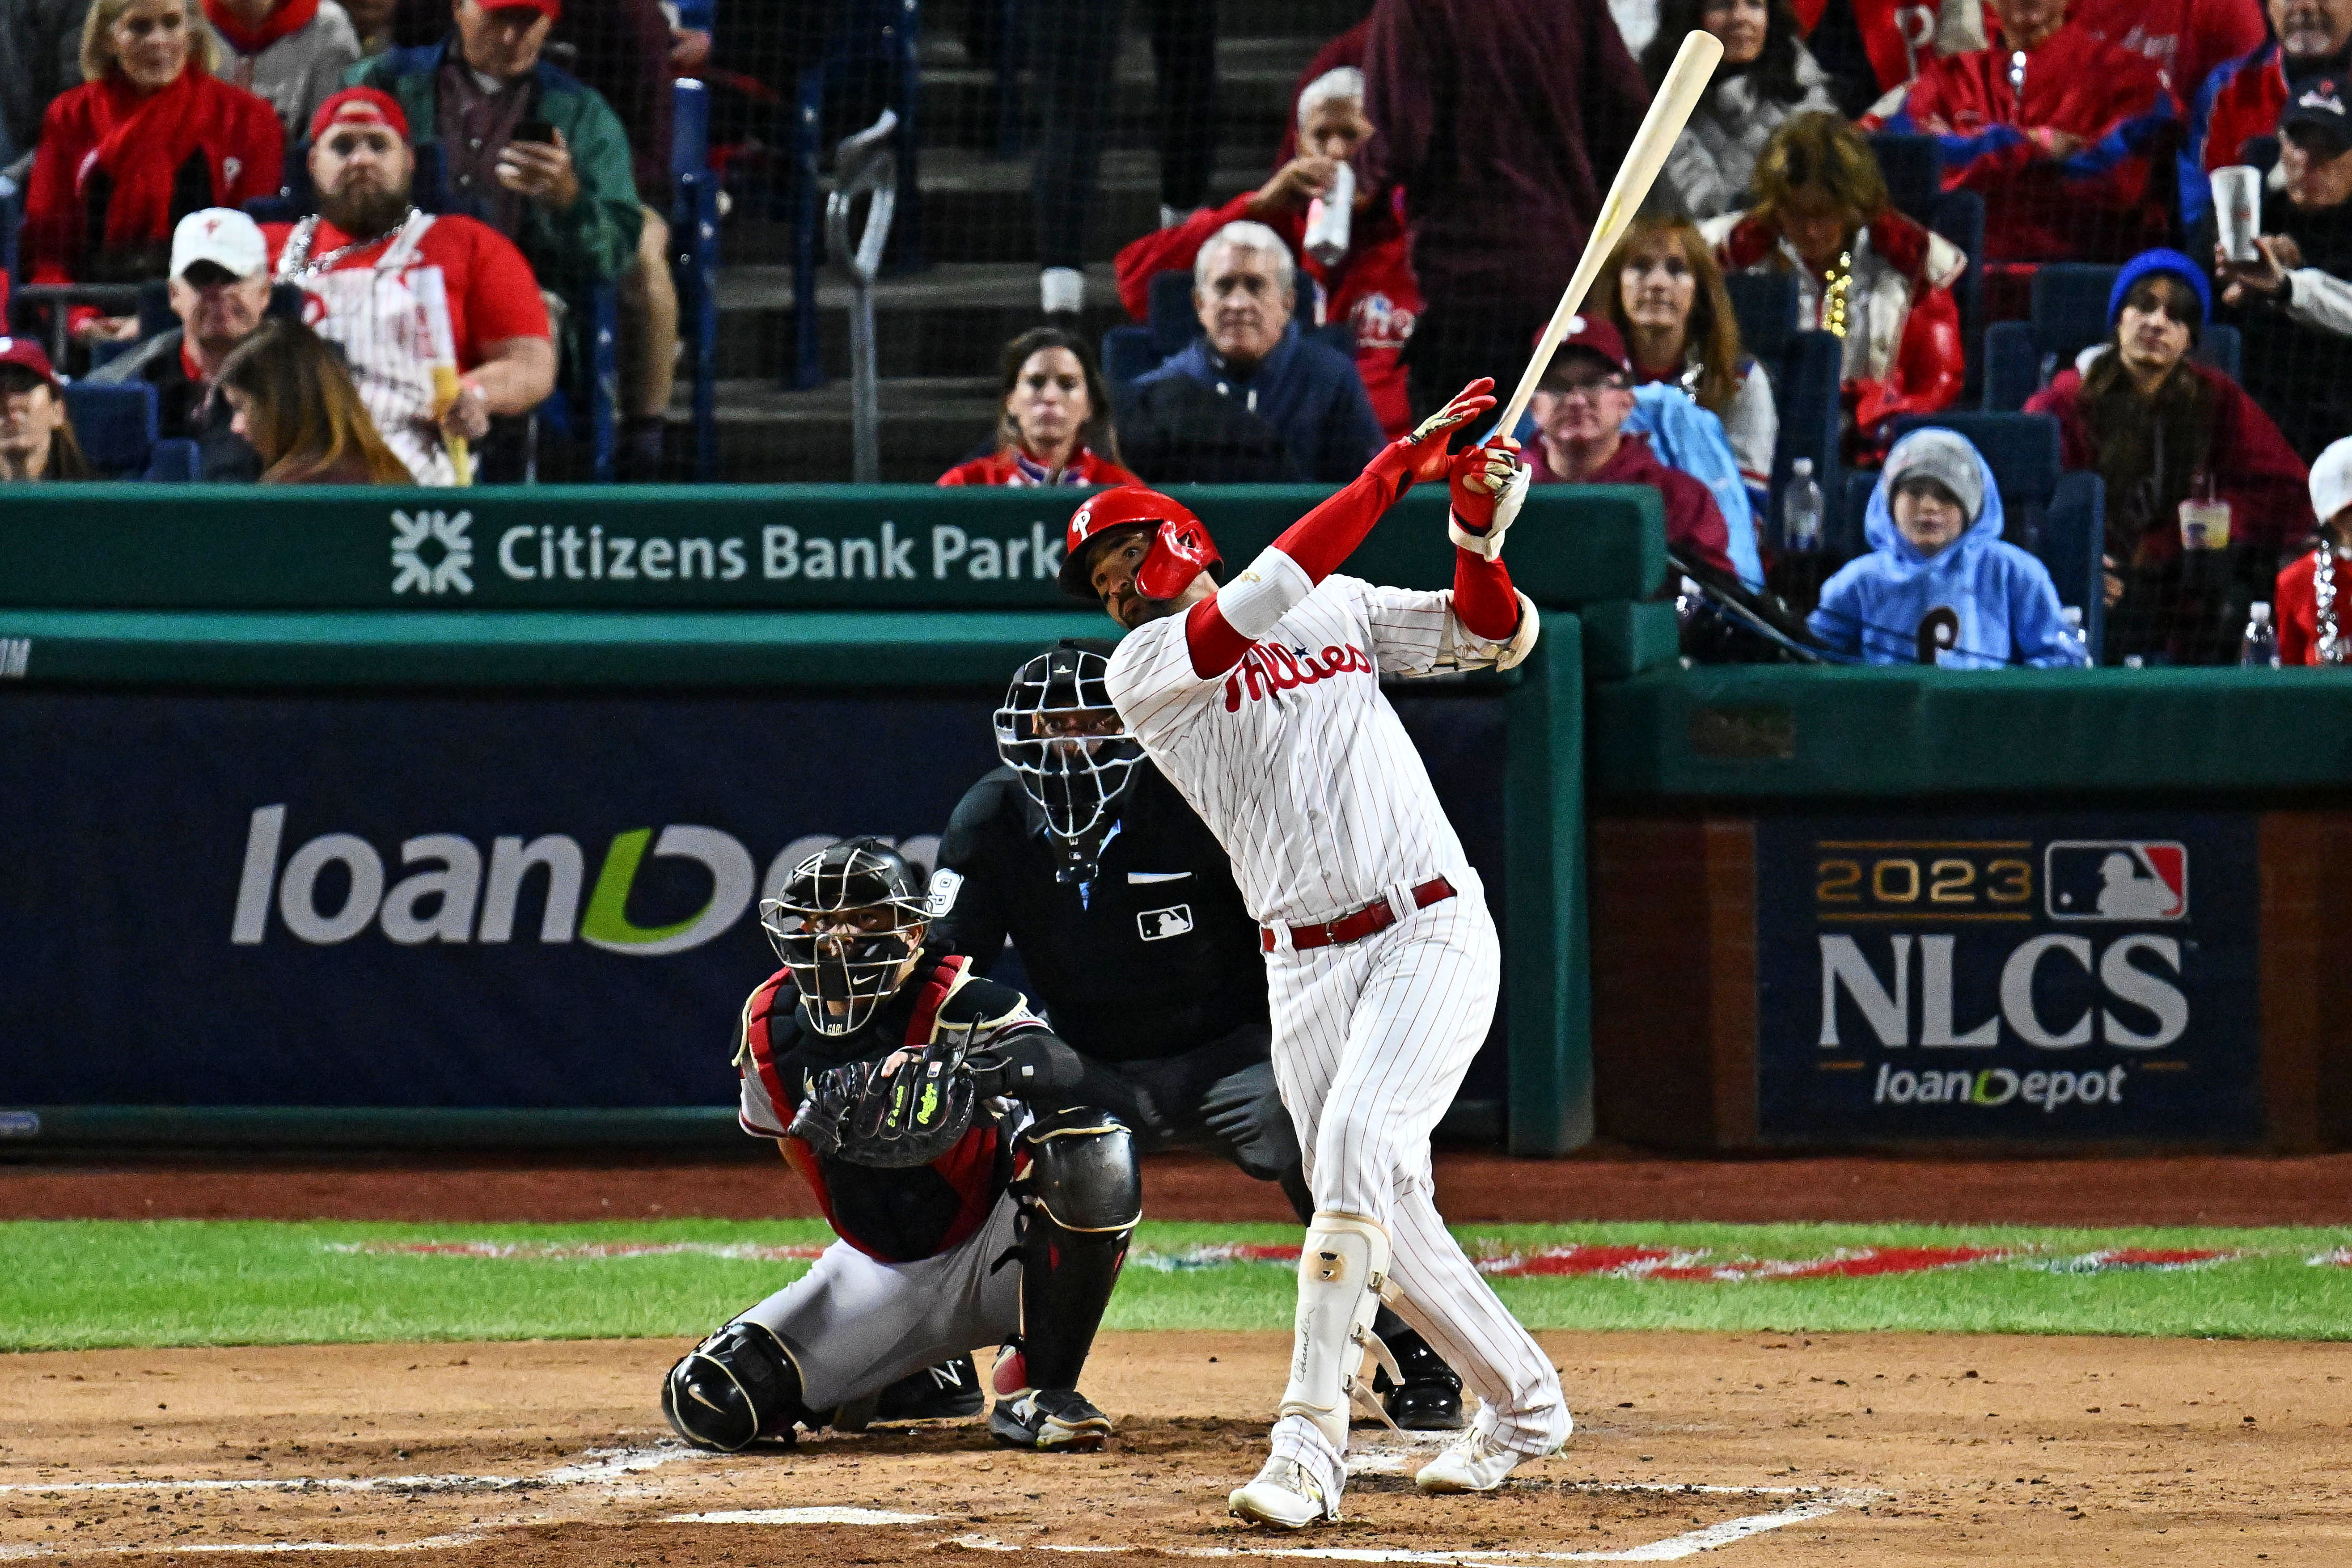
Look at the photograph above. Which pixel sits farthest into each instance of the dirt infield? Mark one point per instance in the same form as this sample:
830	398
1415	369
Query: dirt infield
1472	1188
1877	1449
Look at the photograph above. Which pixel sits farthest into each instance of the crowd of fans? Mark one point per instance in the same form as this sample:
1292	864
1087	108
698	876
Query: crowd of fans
460	198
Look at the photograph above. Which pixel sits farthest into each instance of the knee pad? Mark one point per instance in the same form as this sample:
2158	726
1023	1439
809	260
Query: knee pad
1083	1173
1085	1195
734	1388
1342	1266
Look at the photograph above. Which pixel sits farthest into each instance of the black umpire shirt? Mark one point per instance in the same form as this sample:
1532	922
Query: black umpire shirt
1151	958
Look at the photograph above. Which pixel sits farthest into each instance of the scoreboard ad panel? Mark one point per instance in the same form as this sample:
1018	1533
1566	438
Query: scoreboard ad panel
2036	978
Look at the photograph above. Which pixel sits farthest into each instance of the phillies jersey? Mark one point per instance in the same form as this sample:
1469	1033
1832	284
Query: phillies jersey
1293	757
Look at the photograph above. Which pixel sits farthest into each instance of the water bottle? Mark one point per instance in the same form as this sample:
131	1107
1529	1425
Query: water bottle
2072	615
1327	216
2259	650
1800	509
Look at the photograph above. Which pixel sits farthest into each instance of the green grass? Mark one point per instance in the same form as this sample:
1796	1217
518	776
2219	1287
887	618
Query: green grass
87	1284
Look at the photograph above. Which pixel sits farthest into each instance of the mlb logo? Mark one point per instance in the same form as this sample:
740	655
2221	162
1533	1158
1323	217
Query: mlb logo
1159	925
2115	880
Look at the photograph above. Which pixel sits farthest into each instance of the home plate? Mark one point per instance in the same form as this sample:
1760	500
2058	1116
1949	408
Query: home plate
801	1516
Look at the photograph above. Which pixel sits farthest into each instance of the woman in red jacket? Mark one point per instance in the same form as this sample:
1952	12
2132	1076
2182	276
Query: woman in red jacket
2162	430
1865	273
1056	425
150	137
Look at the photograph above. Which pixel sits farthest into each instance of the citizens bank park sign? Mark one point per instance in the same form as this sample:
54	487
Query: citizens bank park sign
2029	978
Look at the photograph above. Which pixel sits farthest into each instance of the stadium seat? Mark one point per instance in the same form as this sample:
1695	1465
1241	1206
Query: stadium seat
1764	302
116	425
1127	353
1172	320
694	244
1913	169
173	461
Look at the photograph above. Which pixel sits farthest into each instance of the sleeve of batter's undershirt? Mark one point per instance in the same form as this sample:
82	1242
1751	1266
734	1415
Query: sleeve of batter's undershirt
1219	630
1483	601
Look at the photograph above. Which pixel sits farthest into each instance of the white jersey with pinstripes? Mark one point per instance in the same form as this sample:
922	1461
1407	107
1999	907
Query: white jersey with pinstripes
1293	757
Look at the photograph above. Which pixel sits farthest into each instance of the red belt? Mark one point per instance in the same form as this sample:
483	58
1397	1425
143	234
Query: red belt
1373	917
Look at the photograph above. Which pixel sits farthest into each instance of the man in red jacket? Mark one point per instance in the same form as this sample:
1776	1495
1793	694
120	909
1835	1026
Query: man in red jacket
2241	99
1503	120
1580	410
2059	131
1370	286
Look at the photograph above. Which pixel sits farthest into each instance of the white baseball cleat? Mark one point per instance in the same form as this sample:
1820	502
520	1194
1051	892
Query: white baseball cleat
1286	1495
1471	1463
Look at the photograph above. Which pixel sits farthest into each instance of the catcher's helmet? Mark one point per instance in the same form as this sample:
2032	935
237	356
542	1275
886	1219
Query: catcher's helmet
1059	733
849	924
1180	546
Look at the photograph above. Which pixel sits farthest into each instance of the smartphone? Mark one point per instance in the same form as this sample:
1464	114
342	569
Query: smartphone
534	130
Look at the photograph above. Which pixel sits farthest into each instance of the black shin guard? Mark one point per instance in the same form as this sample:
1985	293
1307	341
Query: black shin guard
1084	1197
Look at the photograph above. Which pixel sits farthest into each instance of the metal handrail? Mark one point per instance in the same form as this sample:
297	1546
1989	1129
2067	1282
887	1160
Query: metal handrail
864	165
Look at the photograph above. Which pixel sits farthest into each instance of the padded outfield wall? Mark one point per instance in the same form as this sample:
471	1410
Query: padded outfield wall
397	817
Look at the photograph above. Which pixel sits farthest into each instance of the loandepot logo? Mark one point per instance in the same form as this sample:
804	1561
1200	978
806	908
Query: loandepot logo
431	553
448	892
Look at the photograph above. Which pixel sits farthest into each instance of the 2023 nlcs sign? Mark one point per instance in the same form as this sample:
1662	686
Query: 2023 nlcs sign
2015	977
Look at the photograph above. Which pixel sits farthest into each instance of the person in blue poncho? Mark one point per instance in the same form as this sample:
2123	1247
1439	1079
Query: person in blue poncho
1939	587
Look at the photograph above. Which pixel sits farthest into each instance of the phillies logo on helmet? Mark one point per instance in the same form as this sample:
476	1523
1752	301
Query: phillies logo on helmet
1180	547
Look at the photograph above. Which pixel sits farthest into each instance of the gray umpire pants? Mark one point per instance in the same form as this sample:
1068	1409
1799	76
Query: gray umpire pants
855	1326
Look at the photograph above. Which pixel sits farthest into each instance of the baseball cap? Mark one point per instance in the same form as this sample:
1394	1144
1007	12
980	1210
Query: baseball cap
1594	335
360	106
2316	117
222	235
1945	457
27	352
2331	480
550	9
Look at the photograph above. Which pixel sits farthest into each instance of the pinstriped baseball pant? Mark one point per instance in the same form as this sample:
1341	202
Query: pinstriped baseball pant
1370	1042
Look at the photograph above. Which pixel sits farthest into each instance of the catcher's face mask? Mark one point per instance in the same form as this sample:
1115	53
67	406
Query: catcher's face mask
848	927
1059	733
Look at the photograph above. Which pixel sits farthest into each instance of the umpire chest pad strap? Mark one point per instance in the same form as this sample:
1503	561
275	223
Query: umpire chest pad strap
1083	1170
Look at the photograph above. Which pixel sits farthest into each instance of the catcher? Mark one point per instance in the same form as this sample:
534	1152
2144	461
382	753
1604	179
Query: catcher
932	1113
1133	936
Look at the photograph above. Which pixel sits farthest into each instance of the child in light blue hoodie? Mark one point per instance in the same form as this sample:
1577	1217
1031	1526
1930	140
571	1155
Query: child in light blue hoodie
1939	587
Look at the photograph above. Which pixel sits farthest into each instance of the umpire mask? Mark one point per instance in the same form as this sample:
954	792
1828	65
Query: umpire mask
1059	732
849	925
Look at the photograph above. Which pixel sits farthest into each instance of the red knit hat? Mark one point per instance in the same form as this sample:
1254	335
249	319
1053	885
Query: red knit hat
360	106
550	9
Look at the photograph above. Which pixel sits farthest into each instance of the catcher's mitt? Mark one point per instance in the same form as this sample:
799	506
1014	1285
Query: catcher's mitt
869	1114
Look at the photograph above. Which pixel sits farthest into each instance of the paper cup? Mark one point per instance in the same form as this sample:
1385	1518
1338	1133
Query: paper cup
2238	210
2205	525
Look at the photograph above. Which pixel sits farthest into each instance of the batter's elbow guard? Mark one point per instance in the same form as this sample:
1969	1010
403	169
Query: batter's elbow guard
1085	1195
735	1387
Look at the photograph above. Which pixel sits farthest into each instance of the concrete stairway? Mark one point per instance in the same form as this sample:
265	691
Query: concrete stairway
940	331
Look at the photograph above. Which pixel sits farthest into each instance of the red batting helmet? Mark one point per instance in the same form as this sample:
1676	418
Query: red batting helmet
1180	546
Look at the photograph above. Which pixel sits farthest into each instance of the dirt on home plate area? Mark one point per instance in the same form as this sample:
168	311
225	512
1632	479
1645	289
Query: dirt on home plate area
1752	1449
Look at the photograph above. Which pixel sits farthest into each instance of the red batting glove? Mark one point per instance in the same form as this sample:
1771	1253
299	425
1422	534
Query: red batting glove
1475	479
1423	454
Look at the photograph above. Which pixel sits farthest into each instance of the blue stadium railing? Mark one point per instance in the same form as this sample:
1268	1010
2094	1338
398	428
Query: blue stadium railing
694	253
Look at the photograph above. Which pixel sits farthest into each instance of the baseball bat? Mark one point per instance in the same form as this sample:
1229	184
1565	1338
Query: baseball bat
1670	111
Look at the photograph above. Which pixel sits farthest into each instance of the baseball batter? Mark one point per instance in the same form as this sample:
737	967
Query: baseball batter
1133	936
1261	703
930	1112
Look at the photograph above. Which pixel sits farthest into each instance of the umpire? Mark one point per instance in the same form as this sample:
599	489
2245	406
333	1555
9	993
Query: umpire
1124	909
